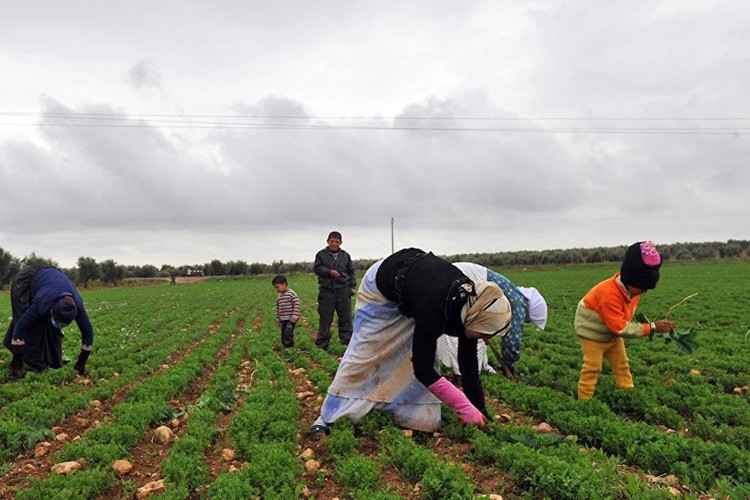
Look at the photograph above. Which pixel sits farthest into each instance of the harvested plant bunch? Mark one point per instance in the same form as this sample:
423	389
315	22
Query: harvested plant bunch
685	340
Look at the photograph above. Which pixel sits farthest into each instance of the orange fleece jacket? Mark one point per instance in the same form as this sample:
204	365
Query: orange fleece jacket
607	311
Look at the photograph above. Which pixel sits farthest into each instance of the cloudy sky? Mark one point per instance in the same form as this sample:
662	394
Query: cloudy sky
180	132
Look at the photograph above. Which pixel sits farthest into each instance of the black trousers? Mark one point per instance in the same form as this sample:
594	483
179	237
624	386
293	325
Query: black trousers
287	333
340	302
43	347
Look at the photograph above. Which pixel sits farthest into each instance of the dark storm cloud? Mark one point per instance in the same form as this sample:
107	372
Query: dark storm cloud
434	164
137	176
415	166
125	175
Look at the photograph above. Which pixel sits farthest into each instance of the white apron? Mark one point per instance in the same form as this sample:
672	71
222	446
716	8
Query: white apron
376	371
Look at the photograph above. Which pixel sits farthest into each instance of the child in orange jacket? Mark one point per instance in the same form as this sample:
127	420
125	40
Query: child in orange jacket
604	317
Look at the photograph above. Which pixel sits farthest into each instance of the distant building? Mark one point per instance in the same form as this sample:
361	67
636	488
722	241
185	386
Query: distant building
189	271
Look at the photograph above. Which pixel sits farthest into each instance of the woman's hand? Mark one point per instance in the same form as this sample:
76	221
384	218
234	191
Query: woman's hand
450	395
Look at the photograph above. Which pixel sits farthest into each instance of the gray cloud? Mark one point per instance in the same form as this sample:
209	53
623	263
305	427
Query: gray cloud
567	125
144	74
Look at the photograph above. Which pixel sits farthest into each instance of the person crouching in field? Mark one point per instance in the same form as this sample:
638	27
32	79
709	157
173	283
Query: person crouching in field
404	303
604	317
43	302
527	306
287	309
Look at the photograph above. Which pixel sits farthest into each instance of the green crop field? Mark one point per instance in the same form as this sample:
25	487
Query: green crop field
204	360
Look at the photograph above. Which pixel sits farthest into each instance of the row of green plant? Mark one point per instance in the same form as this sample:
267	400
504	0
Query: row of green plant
675	390
144	407
264	430
359	474
45	399
539	464
683	401
548	464
185	469
416	463
695	462
553	358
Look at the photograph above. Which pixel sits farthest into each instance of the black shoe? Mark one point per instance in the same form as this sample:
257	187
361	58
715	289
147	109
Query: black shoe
318	431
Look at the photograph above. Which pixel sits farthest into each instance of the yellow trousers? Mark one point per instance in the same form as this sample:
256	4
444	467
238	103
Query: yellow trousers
593	352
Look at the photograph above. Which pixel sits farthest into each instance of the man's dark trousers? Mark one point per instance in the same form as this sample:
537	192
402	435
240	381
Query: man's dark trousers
340	301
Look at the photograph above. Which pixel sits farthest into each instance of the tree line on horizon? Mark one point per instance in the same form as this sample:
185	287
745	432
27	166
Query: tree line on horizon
88	270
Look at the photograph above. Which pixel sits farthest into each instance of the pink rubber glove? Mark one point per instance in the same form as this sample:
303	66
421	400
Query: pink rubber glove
450	395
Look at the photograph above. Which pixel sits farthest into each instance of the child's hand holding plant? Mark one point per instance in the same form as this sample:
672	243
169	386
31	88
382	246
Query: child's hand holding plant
662	326
667	330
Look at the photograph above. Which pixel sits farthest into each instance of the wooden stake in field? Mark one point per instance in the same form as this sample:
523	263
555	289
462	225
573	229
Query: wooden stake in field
506	369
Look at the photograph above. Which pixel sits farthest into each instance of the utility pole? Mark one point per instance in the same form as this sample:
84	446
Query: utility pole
392	249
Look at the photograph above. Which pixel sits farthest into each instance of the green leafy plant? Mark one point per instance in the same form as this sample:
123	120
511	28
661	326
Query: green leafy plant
5	468
358	472
685	339
442	480
29	438
342	441
374	422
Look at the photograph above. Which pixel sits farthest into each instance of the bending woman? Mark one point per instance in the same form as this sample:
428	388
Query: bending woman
404	304
527	305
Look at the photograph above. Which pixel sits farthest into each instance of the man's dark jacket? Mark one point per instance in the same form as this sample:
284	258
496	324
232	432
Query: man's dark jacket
341	261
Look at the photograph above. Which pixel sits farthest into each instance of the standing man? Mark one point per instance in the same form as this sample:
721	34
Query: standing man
44	301
336	286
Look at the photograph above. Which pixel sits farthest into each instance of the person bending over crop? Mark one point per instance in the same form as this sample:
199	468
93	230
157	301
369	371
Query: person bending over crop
404	304
604	317
43	302
527	305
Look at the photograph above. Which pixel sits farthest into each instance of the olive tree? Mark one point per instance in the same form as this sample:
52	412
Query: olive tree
88	269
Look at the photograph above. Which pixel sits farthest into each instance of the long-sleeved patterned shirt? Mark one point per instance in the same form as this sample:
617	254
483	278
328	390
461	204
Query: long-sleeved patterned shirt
510	343
287	306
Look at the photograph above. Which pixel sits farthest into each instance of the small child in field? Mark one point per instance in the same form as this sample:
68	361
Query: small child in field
287	309
604	317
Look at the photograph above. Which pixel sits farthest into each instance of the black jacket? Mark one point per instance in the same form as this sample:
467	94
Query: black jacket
427	292
325	260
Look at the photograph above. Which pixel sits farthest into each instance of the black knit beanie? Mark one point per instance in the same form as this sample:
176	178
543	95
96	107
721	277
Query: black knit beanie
640	267
64	310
